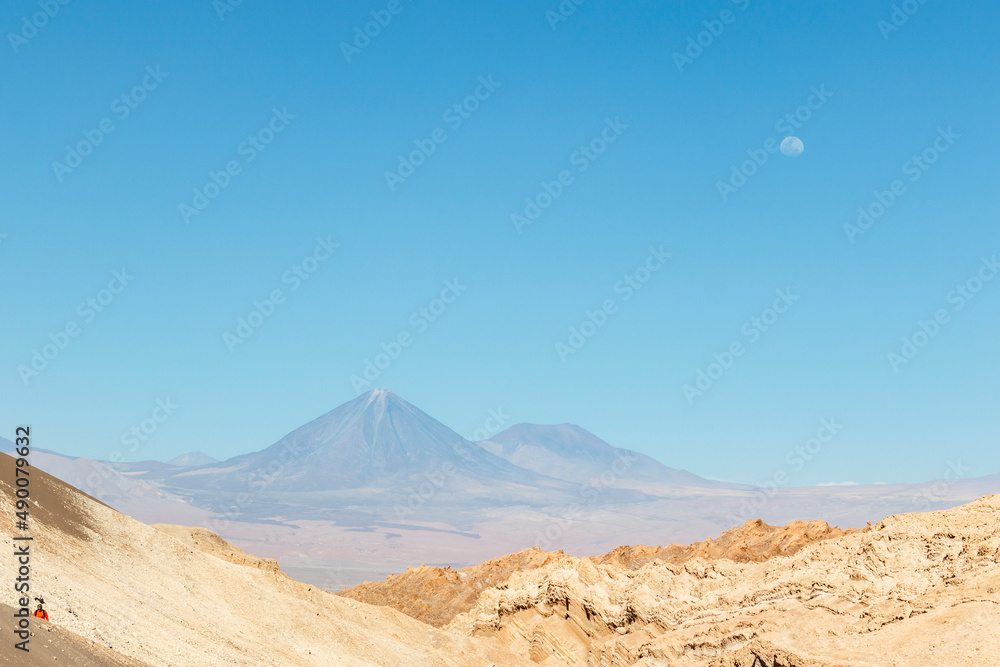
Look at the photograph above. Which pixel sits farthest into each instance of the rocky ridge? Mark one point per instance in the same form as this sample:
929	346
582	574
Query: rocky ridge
914	590
435	595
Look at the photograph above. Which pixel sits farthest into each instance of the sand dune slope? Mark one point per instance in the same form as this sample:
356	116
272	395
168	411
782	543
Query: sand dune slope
157	600
53	646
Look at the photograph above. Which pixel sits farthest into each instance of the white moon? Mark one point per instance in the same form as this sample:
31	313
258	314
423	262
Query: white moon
792	146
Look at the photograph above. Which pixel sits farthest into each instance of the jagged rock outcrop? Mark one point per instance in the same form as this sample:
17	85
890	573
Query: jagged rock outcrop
916	589
207	541
753	542
765	654
436	595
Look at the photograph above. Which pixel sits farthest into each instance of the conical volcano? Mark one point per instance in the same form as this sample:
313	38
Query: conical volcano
377	440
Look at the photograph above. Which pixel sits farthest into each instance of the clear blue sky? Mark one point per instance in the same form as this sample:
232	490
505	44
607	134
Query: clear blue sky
496	344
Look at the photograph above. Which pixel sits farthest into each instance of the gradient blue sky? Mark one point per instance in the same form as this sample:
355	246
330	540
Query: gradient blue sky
496	345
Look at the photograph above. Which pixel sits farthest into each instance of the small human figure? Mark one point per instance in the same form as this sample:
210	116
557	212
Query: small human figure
41	613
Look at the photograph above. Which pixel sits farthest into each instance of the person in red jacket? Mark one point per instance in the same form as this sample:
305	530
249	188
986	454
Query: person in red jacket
41	613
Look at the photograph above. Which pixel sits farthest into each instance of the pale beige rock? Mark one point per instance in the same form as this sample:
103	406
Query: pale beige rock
917	590
435	595
207	541
163	602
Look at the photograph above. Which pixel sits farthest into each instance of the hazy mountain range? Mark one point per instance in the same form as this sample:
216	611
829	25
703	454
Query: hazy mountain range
917	589
377	484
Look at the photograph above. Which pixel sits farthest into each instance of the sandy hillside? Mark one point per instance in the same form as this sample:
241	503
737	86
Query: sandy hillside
140	594
916	590
53	646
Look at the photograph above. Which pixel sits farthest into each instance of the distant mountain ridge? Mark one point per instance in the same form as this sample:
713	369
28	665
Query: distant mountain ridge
376	440
377	481
568	452
192	459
